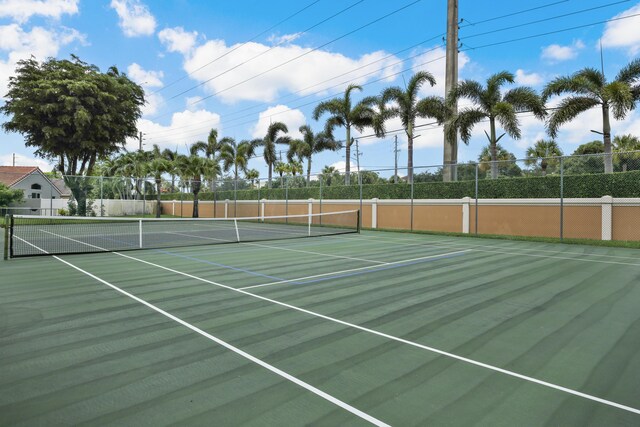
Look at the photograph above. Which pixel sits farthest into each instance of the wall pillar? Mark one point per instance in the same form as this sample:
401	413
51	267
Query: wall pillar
466	202
226	208
374	213
310	210
607	217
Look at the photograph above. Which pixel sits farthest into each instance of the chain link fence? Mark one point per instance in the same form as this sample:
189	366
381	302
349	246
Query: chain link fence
566	197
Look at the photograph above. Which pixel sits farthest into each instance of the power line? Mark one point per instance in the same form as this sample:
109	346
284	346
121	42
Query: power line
551	18
261	53
307	52
514	13
237	47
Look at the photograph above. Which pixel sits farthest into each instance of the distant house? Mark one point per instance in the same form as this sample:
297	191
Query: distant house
35	185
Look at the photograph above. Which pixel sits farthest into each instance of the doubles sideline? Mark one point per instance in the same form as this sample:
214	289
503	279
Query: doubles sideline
354	326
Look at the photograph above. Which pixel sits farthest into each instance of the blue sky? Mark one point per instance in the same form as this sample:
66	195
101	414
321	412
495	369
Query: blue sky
166	46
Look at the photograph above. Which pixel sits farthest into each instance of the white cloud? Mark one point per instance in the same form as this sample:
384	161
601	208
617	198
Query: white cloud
22	160
178	40
22	10
135	17
186	127
21	44
623	33
558	53
432	60
532	79
341	165
279	113
316	66
283	39
145	78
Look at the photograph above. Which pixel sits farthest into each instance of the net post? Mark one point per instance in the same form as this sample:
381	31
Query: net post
140	233
561	199
358	220
235	222
7	236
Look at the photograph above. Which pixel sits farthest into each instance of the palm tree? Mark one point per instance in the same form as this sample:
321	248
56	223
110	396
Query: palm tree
157	166
310	144
269	144
407	107
210	149
281	168
252	175
623	144
171	156
194	168
544	152
235	155
132	165
506	160
588	88
493	105
329	174
343	113
295	167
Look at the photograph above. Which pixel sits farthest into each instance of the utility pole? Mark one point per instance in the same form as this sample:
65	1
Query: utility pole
14	159
395	155
140	141
451	78
358	154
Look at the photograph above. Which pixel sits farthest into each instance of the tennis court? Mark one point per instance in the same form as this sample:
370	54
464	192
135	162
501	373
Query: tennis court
345	329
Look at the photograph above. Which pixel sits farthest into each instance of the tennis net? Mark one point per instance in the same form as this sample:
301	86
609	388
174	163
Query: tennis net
30	235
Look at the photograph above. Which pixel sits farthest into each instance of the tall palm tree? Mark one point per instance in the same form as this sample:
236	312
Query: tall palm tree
491	104
310	144
588	88
210	149
235	155
408	108
195	168
343	113
623	144
171	156
543	152
274	136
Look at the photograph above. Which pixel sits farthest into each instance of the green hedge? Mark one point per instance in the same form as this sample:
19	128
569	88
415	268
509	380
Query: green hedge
621	184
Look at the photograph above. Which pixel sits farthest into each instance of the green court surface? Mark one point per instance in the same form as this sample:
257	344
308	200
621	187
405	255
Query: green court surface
371	328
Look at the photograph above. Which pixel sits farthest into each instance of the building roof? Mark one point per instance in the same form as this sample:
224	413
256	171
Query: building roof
61	187
10	175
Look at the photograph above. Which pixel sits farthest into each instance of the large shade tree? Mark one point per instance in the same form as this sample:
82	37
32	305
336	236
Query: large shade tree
491	104
342	112
310	144
407	107
73	114
589	88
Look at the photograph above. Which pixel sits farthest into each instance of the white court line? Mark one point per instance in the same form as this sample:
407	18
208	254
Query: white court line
507	251
368	267
391	337
228	346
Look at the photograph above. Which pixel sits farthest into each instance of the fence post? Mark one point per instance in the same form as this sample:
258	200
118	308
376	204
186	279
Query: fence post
374	212
235	198
476	213
102	196
561	198
607	217
286	199
262	207
226	208
310	212
320	206
411	200
466	201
